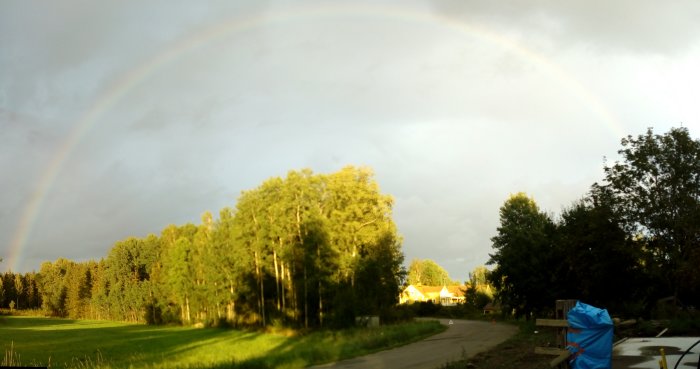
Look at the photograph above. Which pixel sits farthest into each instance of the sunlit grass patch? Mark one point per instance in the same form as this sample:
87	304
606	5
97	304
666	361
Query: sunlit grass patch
85	344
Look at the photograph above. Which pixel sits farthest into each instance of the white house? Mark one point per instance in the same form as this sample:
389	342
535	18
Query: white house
443	295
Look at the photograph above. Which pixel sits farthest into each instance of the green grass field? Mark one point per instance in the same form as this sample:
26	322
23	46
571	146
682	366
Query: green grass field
82	343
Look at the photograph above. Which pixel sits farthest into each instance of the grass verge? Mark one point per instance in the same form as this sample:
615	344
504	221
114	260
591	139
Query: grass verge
67	343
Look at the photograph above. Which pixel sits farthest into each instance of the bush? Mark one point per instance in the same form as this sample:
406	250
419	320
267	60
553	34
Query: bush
427	308
343	314
397	314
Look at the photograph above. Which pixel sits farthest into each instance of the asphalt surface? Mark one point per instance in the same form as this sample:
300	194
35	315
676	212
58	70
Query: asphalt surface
462	338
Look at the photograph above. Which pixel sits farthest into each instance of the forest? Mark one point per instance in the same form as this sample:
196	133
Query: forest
307	250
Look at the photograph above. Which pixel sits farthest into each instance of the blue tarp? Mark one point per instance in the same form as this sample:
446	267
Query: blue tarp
590	337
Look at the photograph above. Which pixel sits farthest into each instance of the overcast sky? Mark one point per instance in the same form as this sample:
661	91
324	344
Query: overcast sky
119	118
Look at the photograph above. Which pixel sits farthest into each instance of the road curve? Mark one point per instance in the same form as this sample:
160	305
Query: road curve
466	337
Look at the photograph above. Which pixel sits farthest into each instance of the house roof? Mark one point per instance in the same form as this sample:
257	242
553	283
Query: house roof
457	291
428	289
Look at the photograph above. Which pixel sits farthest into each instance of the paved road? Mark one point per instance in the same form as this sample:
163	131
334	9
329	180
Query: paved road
463	336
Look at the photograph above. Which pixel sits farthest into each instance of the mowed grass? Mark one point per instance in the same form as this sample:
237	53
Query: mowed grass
85	343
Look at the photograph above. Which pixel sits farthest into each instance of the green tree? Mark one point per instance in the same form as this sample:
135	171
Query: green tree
8	282
523	255
479	291
52	286
19	289
599	263
203	292
29	294
78	285
656	191
428	273
99	303
380	275
229	266
361	232
127	270
172	275
249	234
2	292
180	275
479	276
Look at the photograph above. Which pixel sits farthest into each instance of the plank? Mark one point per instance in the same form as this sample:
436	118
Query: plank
554	351
559	359
563	323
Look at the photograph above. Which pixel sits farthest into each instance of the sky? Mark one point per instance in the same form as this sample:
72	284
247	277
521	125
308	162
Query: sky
118	118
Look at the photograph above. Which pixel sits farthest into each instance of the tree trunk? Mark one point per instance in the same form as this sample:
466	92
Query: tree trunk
320	291
282	283
153	305
261	301
187	304
352	271
231	307
320	304
258	272
306	291
277	281
229	311
293	291
306	300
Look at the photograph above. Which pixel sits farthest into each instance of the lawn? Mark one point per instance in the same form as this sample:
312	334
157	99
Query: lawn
85	343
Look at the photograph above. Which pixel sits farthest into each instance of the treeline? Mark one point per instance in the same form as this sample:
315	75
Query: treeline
19	291
632	245
305	250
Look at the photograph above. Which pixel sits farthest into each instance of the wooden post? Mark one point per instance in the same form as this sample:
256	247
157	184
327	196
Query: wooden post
561	309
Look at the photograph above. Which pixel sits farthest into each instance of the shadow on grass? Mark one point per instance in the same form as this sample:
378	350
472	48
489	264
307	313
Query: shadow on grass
23	322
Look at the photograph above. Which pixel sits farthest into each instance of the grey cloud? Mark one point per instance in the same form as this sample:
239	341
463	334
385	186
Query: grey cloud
609	26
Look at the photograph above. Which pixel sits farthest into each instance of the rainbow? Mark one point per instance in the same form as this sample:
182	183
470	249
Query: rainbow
125	83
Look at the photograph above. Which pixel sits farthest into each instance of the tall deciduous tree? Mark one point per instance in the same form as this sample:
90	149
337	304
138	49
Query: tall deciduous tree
19	289
229	264
127	271
523	256
656	191
428	273
78	286
2	292
180	275
598	262
380	274
479	290
52	286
